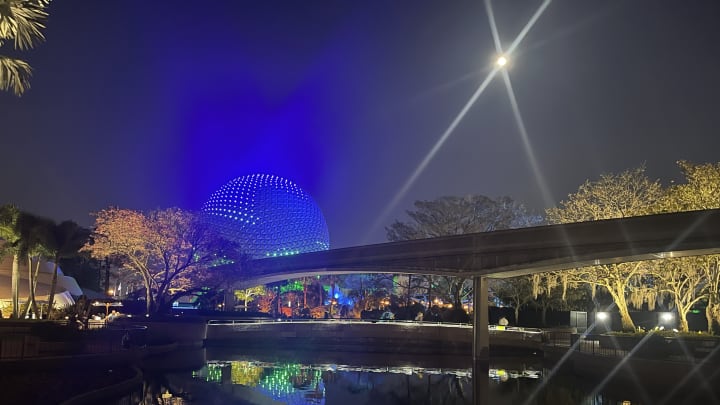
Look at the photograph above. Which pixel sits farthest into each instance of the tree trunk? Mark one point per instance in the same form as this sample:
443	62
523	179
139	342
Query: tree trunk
517	315
407	290
148	293
304	294
34	288
28	301
709	316
618	296
332	294
15	286
429	294
627	323
682	311
228	301
544	315
148	300
31	305
457	298
682	317
457	291
53	286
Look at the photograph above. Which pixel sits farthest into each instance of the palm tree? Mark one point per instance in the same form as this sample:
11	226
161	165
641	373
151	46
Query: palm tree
21	21
64	240
9	233
33	232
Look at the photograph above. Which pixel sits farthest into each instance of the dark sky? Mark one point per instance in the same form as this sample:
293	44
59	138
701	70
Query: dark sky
152	104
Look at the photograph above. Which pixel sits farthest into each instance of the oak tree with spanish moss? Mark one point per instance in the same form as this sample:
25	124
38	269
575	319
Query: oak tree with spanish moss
630	193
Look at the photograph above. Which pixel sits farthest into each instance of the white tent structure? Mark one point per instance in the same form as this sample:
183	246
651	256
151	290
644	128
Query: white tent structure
66	288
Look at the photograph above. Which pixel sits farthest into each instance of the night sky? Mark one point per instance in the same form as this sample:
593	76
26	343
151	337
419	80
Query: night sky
153	104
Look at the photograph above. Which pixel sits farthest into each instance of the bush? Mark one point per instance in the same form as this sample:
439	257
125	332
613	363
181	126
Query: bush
456	315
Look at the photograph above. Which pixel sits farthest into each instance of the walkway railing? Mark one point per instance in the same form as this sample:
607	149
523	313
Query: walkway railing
525	333
216	322
658	348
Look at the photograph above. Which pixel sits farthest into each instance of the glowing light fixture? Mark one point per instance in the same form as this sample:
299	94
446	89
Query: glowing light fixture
602	316
501	61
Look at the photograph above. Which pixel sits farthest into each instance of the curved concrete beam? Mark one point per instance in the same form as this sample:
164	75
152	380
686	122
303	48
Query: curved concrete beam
513	252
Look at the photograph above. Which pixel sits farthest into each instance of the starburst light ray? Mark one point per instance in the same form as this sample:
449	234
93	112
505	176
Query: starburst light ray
645	398
695	372
530	399
544	188
565	357
527	27
493	27
416	173
419	169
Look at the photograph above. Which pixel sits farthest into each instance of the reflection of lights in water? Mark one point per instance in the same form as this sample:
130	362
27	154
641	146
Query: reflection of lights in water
293	382
302	384
245	373
249	373
503	375
213	373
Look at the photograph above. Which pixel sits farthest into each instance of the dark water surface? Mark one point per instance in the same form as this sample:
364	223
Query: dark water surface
237	377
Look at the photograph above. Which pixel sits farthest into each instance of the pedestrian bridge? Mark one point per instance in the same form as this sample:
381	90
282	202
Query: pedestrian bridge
510	253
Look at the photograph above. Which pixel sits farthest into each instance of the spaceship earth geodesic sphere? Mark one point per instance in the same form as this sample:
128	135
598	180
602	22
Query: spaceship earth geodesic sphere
268	216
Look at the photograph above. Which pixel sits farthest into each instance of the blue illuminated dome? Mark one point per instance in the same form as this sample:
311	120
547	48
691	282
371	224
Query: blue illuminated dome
268	216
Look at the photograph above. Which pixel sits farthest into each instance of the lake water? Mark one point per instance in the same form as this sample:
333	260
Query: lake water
235	377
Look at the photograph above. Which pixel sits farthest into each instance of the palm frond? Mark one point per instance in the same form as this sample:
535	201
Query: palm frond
30	22
23	22
14	74
6	20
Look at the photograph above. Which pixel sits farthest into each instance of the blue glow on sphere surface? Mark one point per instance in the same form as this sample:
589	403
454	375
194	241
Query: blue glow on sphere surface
268	216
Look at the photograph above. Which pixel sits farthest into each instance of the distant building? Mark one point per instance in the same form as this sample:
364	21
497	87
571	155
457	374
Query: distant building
66	289
269	216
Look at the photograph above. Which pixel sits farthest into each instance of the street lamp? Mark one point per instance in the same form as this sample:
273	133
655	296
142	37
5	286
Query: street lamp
501	61
666	319
603	323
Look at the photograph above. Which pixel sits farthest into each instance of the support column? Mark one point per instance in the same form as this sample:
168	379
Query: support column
229	300
481	337
481	341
